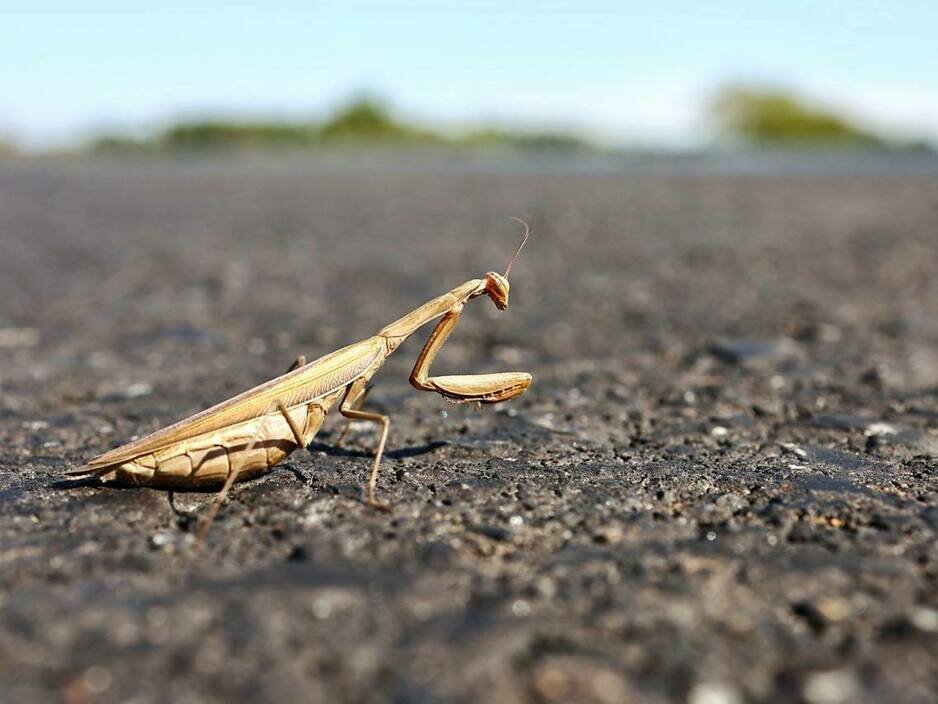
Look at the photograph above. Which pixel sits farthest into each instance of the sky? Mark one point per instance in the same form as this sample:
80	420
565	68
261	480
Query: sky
618	72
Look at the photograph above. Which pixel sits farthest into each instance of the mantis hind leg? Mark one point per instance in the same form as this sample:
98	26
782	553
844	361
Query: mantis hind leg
233	472
219	500
355	394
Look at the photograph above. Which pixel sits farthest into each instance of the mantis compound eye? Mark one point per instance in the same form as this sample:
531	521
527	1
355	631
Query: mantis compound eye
496	286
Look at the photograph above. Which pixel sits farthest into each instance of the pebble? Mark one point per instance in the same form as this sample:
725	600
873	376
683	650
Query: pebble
137	390
880	429
730	502
925	619
791	447
162	539
714	693
521	608
833	687
322	609
97	679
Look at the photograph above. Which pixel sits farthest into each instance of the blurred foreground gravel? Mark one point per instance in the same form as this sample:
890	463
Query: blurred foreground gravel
720	488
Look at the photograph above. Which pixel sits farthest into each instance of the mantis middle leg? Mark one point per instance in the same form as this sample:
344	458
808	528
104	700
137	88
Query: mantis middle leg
348	410
355	406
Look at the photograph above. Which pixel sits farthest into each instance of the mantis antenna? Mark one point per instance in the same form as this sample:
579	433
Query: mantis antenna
527	233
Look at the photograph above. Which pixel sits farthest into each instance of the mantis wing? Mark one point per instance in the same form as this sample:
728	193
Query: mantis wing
300	386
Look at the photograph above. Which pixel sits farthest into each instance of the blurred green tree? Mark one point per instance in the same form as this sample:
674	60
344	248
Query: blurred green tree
367	120
774	117
212	135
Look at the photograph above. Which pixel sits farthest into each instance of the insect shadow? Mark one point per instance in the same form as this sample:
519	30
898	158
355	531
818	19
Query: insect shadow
80	483
398	454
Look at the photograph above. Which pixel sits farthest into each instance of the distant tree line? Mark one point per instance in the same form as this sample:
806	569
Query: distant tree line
767	117
748	116
361	122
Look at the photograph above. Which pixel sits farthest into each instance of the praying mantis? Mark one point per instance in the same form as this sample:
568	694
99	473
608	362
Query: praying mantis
249	434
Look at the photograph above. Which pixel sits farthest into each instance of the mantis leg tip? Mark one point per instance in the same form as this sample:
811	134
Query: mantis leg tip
380	506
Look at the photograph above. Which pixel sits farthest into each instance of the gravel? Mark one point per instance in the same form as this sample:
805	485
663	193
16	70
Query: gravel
720	488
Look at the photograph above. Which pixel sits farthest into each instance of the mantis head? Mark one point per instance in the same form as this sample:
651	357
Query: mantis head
496	285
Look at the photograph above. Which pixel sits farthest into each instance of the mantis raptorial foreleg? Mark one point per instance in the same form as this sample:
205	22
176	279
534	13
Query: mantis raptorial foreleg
419	378
482	388
355	392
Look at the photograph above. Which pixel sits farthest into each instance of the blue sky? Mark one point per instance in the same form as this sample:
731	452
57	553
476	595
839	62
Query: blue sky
616	71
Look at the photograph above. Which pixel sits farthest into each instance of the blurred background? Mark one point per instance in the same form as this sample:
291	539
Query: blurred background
594	76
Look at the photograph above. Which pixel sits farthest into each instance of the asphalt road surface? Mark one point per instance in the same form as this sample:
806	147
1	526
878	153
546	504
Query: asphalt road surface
720	488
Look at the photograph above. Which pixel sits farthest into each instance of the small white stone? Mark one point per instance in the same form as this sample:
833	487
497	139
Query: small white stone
98	679
711	536
718	431
322	609
137	390
880	429
516	521
792	447
162	538
714	693
833	687
521	608
925	619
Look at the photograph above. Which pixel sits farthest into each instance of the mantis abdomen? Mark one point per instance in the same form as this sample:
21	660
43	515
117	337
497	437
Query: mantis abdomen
251	448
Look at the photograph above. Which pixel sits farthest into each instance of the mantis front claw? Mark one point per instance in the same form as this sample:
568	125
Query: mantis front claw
462	388
481	388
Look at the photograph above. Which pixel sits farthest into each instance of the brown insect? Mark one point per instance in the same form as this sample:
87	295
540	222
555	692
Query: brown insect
248	435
